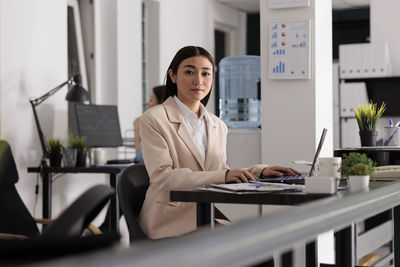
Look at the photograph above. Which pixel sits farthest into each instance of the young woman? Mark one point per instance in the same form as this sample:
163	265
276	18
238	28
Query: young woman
184	146
157	97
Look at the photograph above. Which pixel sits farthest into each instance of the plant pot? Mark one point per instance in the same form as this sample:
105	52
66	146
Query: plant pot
358	182
80	159
368	138
55	160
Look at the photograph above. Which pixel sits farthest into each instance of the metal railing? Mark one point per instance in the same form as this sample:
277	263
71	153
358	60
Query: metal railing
252	241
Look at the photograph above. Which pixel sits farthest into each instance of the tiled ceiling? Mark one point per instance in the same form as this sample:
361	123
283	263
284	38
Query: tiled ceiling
253	6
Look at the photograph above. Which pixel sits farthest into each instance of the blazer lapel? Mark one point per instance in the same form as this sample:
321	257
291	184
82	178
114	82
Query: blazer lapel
211	143
175	116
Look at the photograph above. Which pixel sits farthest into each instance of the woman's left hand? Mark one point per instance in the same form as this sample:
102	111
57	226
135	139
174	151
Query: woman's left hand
278	171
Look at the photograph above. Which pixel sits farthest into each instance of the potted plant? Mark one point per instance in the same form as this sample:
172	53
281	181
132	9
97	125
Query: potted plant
367	116
358	168
55	149
79	143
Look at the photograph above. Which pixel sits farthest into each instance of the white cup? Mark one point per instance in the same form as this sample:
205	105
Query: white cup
330	166
99	156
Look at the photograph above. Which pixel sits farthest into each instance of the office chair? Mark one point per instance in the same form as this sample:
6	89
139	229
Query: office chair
132	187
16	220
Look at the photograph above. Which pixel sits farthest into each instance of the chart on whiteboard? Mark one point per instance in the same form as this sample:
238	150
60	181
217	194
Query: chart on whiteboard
289	46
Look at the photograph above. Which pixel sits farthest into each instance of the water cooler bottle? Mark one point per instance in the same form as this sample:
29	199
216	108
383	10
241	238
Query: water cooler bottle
239	83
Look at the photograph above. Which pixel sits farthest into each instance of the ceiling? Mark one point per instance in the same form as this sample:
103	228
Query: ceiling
253	6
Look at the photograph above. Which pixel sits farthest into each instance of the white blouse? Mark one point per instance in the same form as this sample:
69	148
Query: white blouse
197	126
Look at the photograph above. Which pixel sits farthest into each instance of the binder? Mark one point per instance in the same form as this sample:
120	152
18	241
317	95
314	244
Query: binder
364	60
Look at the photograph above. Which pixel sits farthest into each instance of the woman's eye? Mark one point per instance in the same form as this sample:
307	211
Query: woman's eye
189	72
206	74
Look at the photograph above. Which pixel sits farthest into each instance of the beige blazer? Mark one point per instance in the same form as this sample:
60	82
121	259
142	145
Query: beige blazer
173	161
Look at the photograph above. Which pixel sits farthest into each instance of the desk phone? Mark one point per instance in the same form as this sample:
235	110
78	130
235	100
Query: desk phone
389	171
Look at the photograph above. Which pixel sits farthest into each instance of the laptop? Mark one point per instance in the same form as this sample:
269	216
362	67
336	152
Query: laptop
297	179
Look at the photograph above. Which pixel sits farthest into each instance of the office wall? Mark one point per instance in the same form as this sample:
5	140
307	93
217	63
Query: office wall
384	20
192	22
295	111
33	60
118	57
129	53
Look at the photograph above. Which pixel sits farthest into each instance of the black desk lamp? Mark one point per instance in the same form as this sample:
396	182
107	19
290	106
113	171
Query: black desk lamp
76	93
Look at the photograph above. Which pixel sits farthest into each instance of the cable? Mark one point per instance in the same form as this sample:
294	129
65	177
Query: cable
36	194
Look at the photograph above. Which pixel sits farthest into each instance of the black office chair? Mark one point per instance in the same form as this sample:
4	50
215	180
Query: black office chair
132	187
17	222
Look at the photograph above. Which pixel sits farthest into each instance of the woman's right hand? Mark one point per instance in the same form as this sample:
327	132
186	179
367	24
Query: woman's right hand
239	176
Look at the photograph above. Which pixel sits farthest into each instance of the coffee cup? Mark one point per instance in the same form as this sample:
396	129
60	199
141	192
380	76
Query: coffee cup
330	166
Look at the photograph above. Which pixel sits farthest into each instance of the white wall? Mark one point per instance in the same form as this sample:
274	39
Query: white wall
129	54
384	18
192	22
295	111
33	60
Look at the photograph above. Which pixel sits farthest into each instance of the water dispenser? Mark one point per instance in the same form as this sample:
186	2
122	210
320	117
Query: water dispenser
239	83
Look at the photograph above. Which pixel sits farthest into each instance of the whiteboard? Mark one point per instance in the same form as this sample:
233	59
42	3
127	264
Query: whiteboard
288	3
289	50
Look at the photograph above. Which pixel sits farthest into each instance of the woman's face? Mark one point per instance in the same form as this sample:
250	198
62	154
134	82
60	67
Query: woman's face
152	101
193	79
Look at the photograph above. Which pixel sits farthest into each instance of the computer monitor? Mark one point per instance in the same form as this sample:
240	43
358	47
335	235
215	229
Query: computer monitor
99	124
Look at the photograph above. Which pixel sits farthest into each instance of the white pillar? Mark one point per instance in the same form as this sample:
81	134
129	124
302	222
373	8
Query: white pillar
294	112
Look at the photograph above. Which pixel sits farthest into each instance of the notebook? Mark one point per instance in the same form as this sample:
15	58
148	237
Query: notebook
297	179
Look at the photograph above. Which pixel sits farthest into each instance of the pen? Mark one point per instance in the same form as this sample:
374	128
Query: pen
390	122
391	136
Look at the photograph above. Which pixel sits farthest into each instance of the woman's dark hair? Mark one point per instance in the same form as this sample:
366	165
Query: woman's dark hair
182	54
159	92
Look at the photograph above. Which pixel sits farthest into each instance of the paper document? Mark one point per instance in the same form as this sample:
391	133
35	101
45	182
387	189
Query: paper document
283	186
248	187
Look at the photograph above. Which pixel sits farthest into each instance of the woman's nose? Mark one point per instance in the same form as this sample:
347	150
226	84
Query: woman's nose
197	79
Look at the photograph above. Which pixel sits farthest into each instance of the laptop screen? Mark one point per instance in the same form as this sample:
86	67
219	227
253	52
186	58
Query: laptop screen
321	142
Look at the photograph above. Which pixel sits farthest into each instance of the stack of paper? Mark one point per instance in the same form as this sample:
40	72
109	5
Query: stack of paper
259	187
247	187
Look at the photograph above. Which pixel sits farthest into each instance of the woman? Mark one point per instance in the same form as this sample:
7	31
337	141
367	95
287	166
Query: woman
156	97
184	146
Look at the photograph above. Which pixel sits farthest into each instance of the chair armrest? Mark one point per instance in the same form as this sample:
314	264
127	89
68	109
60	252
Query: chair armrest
94	229
5	236
91	228
43	220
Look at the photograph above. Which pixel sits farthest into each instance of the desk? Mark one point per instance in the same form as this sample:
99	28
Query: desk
344	241
47	188
205	198
205	208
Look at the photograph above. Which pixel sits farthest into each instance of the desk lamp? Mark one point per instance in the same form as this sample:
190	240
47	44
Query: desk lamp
76	93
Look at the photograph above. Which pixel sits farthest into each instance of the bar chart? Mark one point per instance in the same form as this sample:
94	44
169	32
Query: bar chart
289	47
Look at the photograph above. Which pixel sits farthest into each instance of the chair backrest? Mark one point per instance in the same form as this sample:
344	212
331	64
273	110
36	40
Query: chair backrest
132	187
8	169
15	218
79	214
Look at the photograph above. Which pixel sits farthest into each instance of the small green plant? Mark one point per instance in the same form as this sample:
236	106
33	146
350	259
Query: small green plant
55	146
359	169
368	115
79	143
357	164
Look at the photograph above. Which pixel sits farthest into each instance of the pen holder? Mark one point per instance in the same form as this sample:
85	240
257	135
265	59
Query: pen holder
392	134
